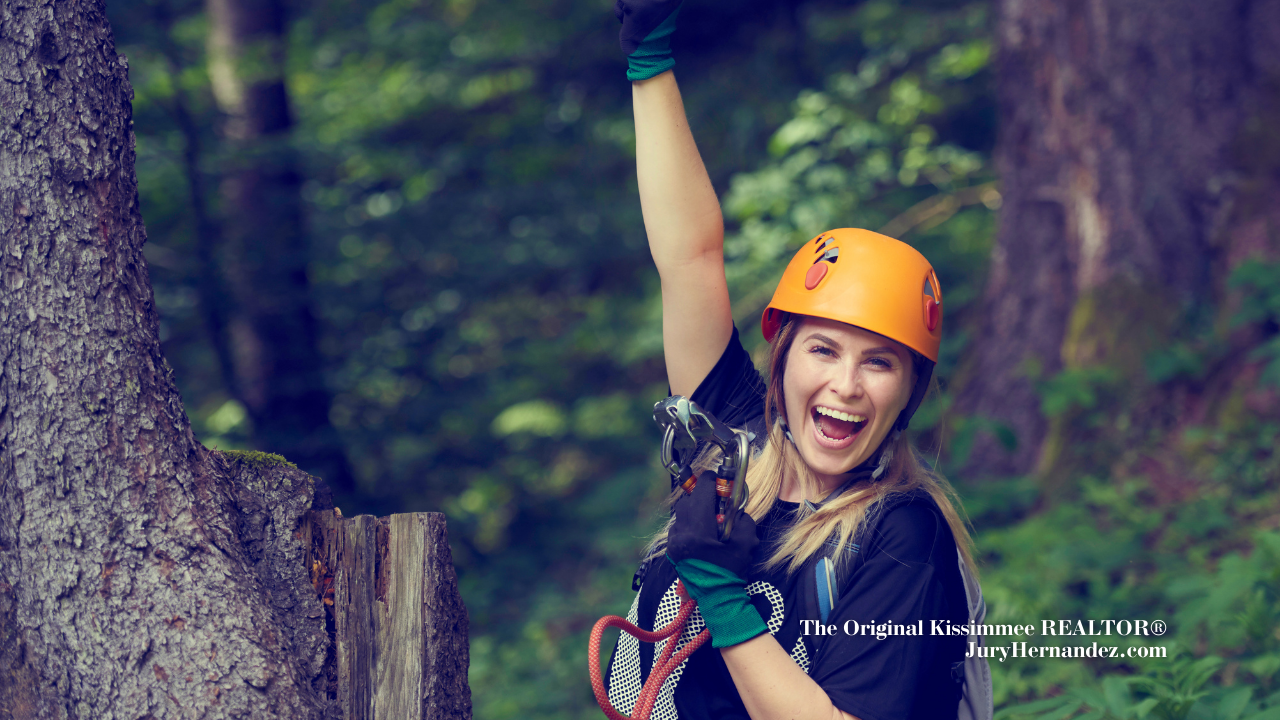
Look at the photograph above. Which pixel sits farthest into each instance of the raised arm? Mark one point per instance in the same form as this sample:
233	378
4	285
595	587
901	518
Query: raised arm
686	234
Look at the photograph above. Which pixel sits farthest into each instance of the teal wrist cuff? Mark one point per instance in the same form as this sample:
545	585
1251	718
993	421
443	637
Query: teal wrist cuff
722	601
653	56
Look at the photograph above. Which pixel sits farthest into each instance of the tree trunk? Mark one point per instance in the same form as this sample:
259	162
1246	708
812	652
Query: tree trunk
141	575
276	365
1132	185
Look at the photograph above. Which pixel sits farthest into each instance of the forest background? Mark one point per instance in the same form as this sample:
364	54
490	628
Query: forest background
475	321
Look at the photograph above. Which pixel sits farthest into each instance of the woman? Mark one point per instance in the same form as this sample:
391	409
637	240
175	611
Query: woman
837	493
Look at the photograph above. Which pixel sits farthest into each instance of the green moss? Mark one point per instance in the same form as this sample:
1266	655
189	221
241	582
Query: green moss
257	460
1118	324
1111	332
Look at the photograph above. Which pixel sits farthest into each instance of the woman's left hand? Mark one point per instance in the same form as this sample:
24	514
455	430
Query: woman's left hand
712	570
696	534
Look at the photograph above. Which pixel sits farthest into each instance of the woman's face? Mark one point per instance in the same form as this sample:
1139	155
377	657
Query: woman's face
844	388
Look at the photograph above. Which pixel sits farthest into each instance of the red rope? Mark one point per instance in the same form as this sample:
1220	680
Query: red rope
662	667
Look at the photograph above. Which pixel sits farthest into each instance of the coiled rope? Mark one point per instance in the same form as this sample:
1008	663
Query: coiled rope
662	668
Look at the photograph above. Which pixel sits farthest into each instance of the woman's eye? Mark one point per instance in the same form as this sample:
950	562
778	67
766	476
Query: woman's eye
822	350
880	362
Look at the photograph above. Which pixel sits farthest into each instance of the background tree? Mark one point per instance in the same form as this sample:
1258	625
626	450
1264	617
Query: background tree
1137	178
265	319
140	574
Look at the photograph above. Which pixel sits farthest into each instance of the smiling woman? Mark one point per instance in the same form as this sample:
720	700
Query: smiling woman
845	387
845	522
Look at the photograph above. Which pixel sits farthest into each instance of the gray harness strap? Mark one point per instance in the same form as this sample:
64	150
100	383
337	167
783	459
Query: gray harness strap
976	702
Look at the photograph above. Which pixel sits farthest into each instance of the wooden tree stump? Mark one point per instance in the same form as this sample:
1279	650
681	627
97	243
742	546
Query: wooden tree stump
398	624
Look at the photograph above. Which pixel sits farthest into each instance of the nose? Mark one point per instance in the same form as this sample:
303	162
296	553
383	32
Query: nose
847	382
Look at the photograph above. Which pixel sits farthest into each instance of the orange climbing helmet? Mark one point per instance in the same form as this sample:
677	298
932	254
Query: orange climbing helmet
869	280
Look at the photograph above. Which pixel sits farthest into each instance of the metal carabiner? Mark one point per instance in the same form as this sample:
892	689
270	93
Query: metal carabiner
731	484
672	415
684	425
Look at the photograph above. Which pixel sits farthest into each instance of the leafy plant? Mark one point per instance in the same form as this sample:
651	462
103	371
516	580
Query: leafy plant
1179	690
1260	285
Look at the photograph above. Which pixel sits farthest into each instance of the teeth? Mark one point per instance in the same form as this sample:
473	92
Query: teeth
841	415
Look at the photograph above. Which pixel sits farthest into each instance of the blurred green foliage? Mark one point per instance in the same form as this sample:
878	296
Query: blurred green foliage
1260	283
491	322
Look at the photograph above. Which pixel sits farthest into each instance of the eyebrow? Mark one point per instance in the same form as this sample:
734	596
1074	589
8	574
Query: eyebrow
870	351
825	339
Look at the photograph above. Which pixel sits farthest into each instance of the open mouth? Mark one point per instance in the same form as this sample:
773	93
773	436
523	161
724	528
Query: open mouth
837	426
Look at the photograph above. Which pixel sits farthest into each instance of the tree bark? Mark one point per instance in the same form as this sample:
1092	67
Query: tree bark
141	575
1131	189
276	364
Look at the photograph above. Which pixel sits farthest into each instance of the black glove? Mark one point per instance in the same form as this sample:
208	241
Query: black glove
695	533
647	27
639	18
714	572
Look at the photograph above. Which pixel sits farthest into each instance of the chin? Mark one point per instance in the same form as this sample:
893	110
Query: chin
823	464
826	463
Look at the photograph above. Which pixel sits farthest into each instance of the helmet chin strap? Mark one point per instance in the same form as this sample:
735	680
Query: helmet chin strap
886	454
924	373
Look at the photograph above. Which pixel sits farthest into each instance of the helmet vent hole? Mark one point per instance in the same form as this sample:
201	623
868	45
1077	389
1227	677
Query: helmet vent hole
823	245
830	255
928	290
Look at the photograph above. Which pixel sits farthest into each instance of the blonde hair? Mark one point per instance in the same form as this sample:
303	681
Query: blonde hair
842	518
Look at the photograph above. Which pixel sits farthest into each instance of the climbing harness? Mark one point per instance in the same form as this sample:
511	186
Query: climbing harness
684	426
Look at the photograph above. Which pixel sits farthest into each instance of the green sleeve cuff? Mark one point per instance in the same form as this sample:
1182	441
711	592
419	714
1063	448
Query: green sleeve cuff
653	57
722	601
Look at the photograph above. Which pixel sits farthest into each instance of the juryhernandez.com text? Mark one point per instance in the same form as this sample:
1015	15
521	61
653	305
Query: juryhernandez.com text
1061	628
1026	650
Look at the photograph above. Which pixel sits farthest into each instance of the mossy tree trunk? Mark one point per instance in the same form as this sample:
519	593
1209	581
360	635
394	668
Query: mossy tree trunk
141	575
1137	174
266	317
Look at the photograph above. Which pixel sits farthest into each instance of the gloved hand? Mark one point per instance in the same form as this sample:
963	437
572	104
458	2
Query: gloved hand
713	571
647	26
